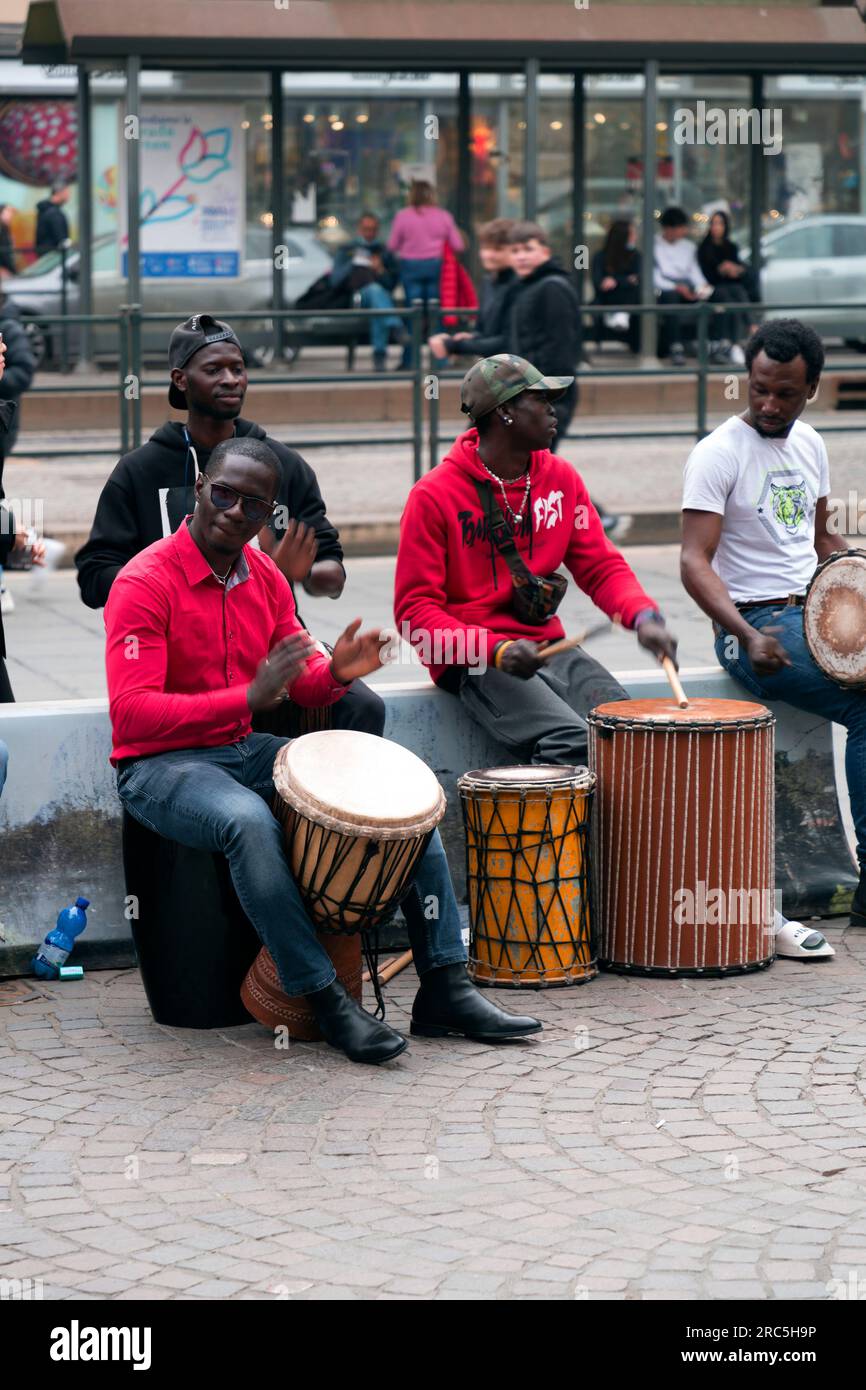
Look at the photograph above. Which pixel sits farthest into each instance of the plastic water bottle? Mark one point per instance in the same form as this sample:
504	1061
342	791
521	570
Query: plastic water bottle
57	945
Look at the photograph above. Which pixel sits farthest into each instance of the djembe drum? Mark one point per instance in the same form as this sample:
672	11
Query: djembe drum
683	848
834	618
358	813
526	872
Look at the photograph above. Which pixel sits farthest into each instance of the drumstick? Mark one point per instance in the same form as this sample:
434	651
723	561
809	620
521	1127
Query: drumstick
565	644
391	969
671	673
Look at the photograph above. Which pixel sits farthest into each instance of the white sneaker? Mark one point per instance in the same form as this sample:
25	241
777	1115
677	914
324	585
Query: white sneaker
618	322
794	941
7	602
737	357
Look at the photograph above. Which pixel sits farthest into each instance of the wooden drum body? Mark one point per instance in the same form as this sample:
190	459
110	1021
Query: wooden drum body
683	842
526	869
263	996
834	618
358	813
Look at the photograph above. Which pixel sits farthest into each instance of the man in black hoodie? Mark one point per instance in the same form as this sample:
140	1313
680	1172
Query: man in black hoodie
544	325
52	224
151	490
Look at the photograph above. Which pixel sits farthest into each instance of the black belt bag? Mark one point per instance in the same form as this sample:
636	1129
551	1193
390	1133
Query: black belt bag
535	597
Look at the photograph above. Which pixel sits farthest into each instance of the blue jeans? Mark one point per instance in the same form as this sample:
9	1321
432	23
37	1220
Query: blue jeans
420	279
219	799
804	685
375	296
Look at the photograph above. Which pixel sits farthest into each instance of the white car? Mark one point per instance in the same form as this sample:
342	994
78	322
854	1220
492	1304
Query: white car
816	261
37	290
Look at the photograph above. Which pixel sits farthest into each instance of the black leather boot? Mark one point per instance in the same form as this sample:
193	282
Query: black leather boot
448	1002
345	1025
858	906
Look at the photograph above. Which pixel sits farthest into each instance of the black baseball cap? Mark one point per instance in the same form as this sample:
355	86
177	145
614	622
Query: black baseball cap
189	338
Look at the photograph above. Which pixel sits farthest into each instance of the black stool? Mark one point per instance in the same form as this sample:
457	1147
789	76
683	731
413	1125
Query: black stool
193	941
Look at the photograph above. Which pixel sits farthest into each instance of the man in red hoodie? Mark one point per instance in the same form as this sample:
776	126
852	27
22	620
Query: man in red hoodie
500	509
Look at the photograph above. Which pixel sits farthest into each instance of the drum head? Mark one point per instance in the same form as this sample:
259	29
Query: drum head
701	713
359	783
537	777
834	618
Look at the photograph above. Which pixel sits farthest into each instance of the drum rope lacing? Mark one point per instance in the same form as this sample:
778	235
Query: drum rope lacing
503	955
345	914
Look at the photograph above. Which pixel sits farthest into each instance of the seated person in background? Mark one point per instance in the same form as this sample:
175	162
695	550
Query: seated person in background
201	633
367	268
151	490
454	589
488	335
719	259
616	279
678	279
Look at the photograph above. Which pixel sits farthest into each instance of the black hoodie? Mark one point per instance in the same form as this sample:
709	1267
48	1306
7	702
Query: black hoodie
52	226
545	324
150	491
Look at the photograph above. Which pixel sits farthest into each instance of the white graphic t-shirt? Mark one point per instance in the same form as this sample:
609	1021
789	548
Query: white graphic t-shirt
766	490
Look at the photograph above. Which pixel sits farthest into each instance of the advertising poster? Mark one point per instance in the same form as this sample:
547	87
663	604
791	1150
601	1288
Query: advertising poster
192	191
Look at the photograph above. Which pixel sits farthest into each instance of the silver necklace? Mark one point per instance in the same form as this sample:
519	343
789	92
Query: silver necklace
516	517
222	578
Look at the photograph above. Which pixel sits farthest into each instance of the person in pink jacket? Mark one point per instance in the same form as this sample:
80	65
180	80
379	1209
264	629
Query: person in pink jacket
418	237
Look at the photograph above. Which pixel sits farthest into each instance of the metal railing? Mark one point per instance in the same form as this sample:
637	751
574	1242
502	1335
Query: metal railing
423	378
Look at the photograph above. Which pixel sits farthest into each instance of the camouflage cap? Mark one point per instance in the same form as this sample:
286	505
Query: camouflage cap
494	380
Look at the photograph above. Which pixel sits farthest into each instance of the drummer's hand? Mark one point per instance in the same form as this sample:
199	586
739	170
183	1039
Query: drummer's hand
356	654
282	666
766	655
657	639
295	552
522	658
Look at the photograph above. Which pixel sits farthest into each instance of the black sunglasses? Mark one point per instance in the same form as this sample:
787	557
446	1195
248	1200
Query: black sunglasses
225	497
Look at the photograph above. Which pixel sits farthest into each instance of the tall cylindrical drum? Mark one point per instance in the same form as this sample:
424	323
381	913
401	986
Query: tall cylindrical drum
527	874
683	840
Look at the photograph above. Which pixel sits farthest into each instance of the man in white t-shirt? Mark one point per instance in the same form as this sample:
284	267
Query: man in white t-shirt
755	526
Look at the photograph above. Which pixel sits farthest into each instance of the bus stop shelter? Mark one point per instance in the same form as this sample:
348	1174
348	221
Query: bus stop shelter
280	36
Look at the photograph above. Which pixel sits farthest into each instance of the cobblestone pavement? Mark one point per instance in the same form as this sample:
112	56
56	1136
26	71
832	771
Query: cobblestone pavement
662	1139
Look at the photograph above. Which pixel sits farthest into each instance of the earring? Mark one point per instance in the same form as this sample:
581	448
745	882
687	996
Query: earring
507	419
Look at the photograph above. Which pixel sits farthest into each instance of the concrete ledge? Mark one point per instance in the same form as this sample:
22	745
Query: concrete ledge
290	402
60	815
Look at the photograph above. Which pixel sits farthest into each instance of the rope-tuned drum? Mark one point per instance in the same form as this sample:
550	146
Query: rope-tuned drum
527	875
683	842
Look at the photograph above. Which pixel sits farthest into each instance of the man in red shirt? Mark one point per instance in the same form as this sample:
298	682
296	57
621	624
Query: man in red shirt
201	633
477	532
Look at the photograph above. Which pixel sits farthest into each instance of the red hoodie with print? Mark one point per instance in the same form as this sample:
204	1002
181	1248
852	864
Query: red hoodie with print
453	589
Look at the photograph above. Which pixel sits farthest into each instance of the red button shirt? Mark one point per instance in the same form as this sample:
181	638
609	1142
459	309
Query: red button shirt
181	648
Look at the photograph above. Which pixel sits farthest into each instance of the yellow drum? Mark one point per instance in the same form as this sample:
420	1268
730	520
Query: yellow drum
527	831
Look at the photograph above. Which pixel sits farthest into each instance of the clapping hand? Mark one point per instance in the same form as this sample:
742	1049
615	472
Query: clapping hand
356	654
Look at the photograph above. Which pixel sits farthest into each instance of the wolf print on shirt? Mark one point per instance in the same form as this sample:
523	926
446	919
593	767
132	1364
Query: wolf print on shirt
785	505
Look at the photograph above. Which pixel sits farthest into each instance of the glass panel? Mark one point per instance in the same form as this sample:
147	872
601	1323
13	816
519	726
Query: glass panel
347	153
820	167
